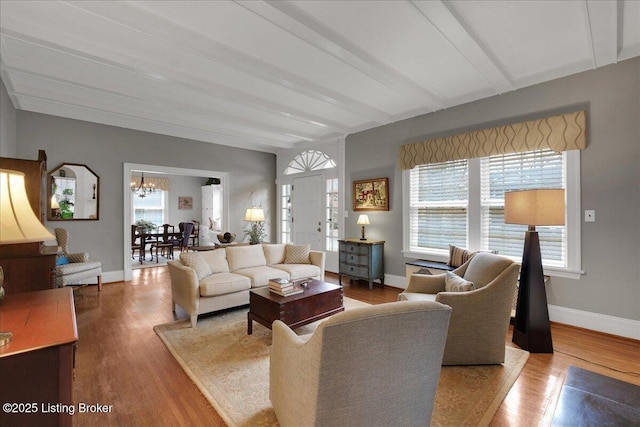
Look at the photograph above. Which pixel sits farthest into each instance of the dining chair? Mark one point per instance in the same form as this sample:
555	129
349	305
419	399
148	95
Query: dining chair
135	245
195	235
186	228
164	242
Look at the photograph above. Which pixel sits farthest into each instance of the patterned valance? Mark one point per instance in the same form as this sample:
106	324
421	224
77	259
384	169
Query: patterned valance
559	133
159	183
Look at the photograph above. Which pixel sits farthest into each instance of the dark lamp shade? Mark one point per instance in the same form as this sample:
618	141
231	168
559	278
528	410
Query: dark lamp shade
534	207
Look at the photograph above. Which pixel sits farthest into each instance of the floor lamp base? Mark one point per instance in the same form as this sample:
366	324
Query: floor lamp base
531	328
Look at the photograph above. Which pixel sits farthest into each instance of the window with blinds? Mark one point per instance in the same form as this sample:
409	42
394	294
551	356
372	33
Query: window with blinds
438	205
462	203
520	171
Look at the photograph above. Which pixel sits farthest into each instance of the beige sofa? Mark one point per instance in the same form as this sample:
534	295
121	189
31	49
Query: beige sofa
202	282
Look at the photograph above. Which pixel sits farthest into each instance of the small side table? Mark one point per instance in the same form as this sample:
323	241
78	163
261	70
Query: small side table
362	259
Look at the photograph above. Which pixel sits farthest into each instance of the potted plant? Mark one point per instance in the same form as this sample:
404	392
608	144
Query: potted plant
66	210
256	232
145	226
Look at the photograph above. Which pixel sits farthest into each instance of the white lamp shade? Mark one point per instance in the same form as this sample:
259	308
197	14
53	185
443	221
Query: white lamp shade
254	214
54	203
18	222
363	220
534	207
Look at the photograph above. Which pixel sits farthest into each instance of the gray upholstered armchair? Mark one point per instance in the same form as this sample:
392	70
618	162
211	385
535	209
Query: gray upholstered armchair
78	268
480	317
371	366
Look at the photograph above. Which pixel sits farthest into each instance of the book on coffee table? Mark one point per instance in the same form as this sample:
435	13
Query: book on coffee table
288	291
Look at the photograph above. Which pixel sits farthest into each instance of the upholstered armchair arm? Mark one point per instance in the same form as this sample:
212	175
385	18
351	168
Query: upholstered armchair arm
318	258
294	376
185	288
426	284
78	257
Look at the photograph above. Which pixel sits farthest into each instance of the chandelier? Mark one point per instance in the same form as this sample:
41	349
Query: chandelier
143	189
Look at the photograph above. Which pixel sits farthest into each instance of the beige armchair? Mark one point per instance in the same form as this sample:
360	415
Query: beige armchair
371	366
480	317
79	267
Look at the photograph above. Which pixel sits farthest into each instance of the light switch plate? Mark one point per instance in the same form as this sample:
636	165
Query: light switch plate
589	216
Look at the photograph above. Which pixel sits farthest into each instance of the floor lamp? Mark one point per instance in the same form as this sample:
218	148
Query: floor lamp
18	222
532	330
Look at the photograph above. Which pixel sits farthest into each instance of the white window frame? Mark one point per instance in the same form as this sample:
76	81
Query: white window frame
573	269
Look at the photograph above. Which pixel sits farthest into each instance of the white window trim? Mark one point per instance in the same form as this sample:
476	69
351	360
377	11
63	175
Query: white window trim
573	209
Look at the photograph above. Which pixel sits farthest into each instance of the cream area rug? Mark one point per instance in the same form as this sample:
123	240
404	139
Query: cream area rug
231	369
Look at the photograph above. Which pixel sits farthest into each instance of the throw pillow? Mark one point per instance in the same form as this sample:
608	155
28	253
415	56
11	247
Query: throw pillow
297	254
458	256
62	260
195	261
455	283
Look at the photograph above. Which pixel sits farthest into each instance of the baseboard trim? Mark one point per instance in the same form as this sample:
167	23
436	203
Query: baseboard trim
596	322
583	319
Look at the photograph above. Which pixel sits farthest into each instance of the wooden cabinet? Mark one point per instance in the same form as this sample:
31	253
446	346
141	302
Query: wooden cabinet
28	266
362	259
36	367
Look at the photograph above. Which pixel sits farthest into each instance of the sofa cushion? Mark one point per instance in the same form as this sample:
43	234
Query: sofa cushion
217	260
77	267
274	253
240	257
223	283
197	262
455	283
260	275
299	271
297	254
416	296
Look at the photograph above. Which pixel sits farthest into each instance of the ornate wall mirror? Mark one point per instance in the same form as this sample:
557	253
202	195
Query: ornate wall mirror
74	191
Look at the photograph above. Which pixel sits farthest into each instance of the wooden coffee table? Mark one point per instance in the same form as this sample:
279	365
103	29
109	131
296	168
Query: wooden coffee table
319	300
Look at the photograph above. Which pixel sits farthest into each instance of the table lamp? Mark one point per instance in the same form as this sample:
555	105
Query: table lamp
18	222
532	330
256	216
363	220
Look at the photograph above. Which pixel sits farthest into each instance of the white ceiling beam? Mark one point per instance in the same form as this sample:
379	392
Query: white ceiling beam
602	24
450	24
114	118
170	33
292	19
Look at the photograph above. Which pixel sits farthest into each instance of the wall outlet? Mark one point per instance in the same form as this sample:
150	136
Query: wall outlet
589	216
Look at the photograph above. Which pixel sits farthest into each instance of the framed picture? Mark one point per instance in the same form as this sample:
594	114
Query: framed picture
185	202
371	195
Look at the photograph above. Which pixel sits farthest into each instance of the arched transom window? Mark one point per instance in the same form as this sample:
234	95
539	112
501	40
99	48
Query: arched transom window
311	160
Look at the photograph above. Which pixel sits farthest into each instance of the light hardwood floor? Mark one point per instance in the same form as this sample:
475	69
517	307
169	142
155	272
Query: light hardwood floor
121	362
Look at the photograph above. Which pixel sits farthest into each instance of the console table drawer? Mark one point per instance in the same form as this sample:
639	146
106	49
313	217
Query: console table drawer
354	270
354	259
354	248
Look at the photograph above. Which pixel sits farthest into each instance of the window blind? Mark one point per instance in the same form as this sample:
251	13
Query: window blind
438	205
520	171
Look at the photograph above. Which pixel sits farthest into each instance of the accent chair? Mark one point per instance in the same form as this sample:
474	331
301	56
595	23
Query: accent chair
78	267
480	317
371	366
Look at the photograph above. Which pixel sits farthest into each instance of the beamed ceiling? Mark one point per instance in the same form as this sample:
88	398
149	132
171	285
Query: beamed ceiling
270	74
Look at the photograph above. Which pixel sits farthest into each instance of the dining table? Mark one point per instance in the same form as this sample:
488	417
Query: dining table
150	237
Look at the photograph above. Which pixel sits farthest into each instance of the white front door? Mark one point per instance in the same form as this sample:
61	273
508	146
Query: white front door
308	211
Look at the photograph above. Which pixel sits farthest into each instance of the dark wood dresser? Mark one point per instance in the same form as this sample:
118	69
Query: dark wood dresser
29	266
36	368
362	259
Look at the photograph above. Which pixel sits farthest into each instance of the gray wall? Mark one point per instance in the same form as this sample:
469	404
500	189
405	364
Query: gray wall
106	148
610	177
7	124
